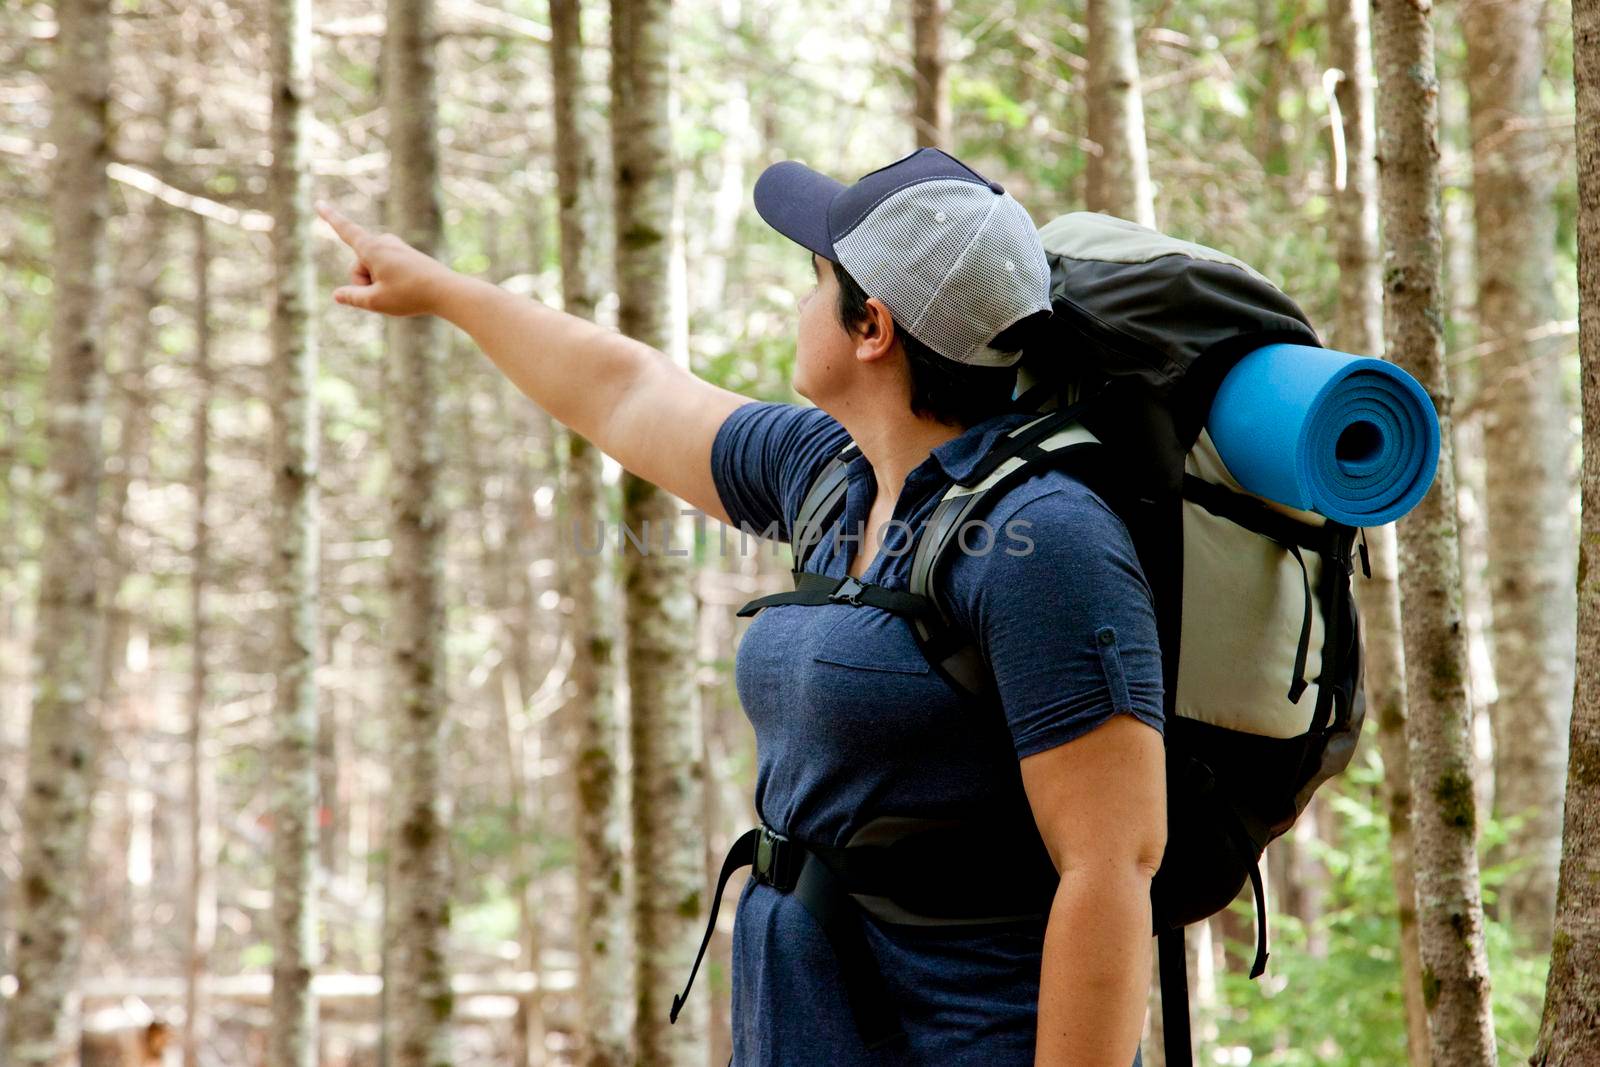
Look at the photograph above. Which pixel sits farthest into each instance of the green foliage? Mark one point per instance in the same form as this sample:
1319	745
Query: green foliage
492	918
988	99
1347	1009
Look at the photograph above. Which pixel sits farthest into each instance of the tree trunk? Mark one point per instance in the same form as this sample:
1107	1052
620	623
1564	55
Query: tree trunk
604	1003
668	837
1526	414
113	913
1572	993
1386	703
200	915
930	116
1118	170
421	1004
293	1038
61	748
523	535
717	647
1450	910
1272	54
1359	329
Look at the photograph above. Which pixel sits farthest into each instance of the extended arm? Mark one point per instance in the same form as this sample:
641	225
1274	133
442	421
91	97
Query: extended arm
652	416
1100	803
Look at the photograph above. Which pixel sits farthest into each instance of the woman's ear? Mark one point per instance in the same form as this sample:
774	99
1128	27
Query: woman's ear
875	334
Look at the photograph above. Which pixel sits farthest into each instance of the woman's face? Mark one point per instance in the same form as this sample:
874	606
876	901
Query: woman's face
824	349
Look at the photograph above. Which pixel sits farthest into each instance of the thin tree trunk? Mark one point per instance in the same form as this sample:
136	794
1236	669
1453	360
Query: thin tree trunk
521	530
716	646
713	245
115	919
1450	910
1527	480
421	1004
930	116
1572	992
1359	325
200	916
668	836
1118	170
61	748
1270	57
1358	328
293	1038
525	820
1385	686
604	1003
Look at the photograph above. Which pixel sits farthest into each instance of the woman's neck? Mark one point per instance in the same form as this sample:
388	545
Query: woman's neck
894	446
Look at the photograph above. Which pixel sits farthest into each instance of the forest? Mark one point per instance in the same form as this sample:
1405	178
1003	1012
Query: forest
339	723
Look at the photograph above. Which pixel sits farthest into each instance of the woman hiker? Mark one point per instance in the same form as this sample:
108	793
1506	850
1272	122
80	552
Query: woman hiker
929	281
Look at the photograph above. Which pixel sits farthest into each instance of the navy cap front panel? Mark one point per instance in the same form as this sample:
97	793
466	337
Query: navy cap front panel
795	200
855	203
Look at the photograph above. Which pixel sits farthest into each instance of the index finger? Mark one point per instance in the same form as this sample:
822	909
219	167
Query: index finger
349	231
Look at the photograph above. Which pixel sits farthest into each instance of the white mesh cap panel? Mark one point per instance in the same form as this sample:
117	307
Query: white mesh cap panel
955	262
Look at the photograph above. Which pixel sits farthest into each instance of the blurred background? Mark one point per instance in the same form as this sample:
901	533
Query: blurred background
297	601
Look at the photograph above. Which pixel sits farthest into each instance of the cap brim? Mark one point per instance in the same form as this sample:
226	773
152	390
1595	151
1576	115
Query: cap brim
794	200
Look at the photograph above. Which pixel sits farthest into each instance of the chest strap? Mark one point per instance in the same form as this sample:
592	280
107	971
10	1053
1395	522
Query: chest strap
815	590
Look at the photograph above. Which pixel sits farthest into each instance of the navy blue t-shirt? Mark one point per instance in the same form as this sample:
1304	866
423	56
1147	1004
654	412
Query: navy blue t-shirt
851	723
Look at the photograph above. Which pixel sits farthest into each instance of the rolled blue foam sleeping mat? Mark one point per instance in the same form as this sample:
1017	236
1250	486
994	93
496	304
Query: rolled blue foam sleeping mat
1352	438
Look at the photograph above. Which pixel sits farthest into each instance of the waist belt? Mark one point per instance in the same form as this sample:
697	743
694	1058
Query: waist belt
899	878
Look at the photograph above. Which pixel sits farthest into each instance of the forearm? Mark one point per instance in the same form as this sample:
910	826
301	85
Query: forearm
1096	971
574	369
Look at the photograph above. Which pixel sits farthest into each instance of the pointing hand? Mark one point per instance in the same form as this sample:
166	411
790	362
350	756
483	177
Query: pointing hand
389	276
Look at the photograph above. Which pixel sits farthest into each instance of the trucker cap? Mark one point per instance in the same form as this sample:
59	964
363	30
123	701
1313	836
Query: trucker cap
953	256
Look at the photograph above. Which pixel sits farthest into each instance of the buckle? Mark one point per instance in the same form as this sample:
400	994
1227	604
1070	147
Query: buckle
848	591
770	864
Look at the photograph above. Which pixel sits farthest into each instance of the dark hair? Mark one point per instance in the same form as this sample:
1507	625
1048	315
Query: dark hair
942	389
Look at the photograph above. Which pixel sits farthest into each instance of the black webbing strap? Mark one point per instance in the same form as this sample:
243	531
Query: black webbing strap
1174	969
1297	684
789	866
814	590
1248	857
742	854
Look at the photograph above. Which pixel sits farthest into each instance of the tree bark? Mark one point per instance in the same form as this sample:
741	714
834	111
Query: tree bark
114	908
1386	703
666	812
604	1003
200	915
1572	993
421	1003
930	115
1118	170
61	745
1450	911
1358	328
293	1038
1526	415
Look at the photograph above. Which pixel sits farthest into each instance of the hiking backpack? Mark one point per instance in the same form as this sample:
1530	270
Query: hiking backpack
1260	643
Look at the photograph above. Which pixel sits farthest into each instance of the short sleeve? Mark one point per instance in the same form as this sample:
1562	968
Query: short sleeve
1063	613
764	457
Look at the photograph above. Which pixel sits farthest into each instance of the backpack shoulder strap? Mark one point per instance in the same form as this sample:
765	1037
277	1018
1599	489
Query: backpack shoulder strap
824	496
1054	440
